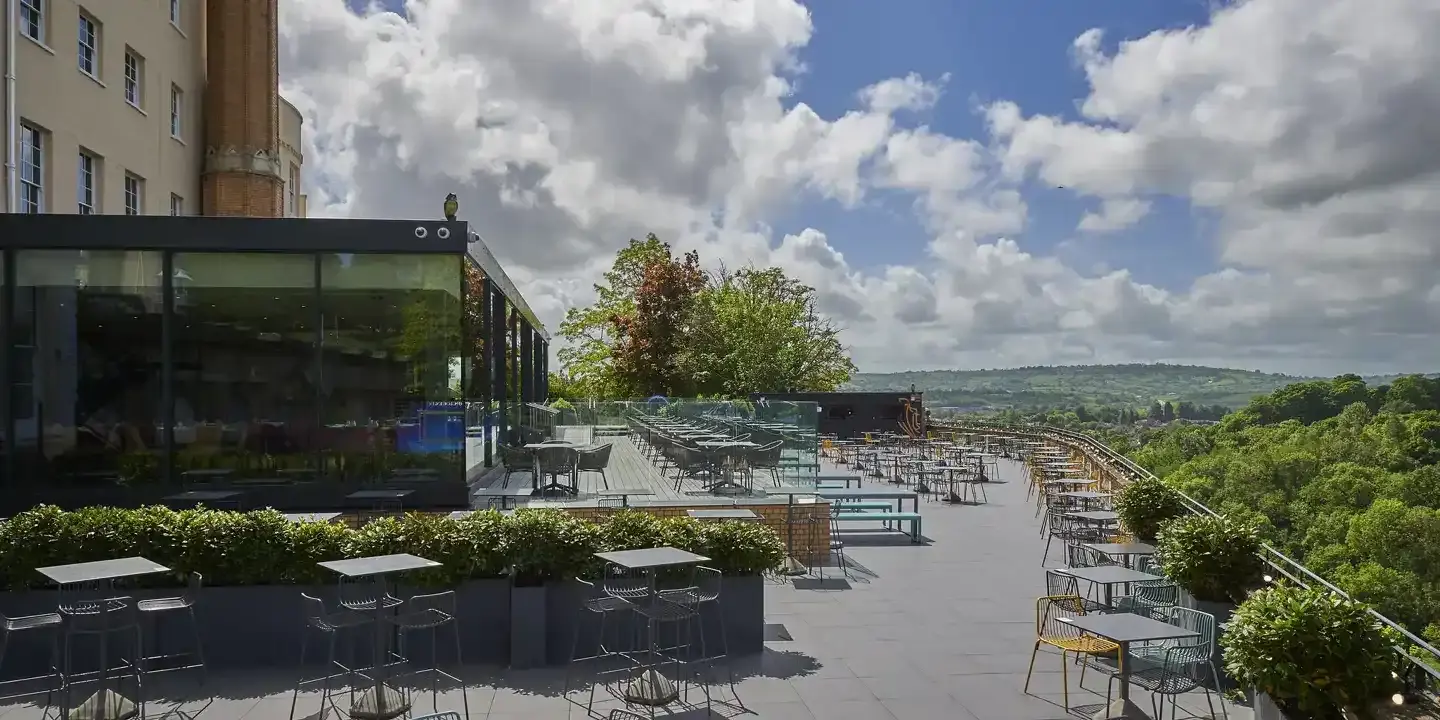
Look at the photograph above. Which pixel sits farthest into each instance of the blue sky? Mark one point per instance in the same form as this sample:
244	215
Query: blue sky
1016	50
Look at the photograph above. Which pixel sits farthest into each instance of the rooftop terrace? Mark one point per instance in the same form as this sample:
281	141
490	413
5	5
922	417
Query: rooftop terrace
940	630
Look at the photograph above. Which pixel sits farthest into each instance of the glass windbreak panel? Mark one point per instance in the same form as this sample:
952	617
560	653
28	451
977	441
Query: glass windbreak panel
244	366
86	369
392	368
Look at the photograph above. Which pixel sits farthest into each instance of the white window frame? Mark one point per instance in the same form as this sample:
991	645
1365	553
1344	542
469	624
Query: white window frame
87	171
134	194
32	170
177	205
32	19
134	78
88	46
177	104
294	189
175	13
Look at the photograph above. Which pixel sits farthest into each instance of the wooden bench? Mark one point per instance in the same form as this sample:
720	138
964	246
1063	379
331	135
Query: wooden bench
885	517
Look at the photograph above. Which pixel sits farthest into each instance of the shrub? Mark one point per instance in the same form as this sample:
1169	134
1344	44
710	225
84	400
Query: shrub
263	548
1315	653
1145	504
1214	558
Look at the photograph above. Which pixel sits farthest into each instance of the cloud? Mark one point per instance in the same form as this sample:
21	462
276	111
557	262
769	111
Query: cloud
568	127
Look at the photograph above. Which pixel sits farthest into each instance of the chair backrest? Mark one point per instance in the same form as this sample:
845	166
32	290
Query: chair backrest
556	458
595	458
1196	621
312	608
1049	611
194	583
1058	583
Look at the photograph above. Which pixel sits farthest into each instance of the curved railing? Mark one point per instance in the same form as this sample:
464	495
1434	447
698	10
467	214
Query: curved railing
1123	469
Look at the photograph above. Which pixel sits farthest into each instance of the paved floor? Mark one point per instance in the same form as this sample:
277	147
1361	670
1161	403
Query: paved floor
935	632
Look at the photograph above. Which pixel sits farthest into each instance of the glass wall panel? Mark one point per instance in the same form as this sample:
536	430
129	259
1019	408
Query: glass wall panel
477	420
392	367
86	368
246	380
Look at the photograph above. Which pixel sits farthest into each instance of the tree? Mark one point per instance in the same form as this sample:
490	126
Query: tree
660	325
589	333
651	341
760	331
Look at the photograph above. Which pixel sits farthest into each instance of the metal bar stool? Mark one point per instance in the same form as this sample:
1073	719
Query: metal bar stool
602	605
657	613
152	610
330	624
48	623
101	619
706	590
430	613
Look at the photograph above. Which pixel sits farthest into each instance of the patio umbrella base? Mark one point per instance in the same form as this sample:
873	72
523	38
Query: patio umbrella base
651	689
1120	710
104	705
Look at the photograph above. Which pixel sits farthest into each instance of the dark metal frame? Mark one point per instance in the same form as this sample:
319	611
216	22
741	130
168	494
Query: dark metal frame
517	334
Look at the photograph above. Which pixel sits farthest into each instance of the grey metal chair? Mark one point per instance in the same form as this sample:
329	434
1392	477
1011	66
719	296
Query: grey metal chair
48	623
153	609
331	625
707	587
101	618
595	460
602	605
431	613
556	462
515	460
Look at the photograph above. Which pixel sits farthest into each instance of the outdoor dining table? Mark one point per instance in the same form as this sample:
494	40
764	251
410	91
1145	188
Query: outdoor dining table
1123	629
379	702
651	687
727	450
1107	577
535	449
1094	516
217	499
506	497
1128	551
104	704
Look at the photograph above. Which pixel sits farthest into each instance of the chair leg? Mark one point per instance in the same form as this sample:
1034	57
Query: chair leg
1031	671
604	479
199	648
295	697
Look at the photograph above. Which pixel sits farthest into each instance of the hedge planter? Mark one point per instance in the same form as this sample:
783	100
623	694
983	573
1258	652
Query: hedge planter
261	626
528	636
1264	707
1222	612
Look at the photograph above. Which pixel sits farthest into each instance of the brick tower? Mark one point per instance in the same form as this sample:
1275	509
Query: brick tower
242	174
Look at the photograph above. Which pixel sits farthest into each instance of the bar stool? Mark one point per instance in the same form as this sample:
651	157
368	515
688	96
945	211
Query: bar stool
706	590
101	619
48	623
657	614
330	625
155	608
602	605
431	612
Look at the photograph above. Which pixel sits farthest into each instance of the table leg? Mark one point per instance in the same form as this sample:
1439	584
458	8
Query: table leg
651	688
1121	708
380	702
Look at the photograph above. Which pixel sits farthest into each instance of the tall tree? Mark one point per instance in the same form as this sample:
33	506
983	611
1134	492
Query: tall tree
589	332
649	355
760	331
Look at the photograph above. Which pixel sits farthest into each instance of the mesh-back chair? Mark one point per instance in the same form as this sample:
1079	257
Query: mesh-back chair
330	625
767	458
595	460
556	462
1175	667
515	460
1060	583
600	604
430	614
183	603
1051	630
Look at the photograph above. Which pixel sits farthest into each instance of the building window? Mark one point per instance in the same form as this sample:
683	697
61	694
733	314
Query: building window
294	199
87	171
177	205
175	12
134	71
32	19
32	170
89	46
177	101
134	194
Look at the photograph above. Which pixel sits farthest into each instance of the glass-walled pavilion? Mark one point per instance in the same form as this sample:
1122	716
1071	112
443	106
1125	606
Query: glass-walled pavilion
292	362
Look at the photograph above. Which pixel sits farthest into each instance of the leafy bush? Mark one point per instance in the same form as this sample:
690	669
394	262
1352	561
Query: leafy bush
1146	504
263	548
1215	559
1312	651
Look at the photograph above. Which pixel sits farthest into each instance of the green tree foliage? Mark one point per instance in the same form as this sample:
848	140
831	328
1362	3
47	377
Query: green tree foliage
1339	474
661	326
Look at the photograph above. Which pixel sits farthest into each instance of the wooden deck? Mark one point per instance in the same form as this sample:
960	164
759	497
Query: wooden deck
629	469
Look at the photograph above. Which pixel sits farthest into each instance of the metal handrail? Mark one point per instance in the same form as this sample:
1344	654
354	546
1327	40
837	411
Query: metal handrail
1272	557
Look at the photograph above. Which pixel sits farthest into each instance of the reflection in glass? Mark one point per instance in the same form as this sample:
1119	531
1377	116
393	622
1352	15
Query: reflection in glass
477	423
245	379
392	367
86	367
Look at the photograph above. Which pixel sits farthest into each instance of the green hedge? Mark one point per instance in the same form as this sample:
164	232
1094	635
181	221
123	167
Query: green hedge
263	548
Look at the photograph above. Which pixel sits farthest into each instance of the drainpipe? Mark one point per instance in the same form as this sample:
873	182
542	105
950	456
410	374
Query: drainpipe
12	114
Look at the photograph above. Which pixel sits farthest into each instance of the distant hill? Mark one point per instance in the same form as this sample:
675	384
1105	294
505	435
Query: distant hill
1071	385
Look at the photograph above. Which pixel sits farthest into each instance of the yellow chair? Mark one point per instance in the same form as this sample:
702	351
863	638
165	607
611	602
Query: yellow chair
1049	630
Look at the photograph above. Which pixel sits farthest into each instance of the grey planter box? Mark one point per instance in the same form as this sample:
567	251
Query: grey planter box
528	636
261	626
1222	612
742	600
1264	707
